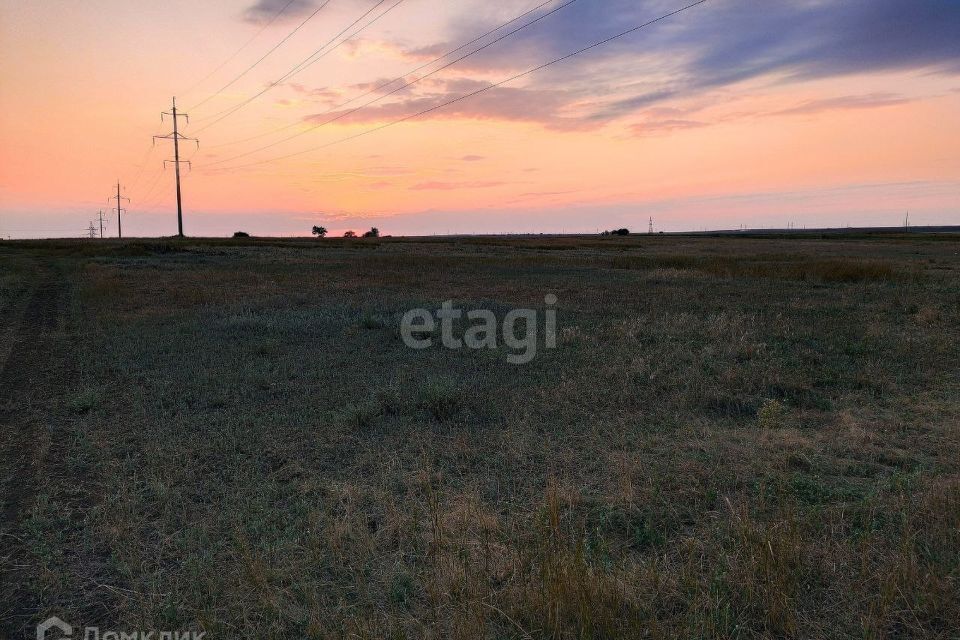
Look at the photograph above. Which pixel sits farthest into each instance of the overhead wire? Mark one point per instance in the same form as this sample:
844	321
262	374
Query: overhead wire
153	185
323	51
140	167
399	88
157	181
307	62
472	94
262	58
230	59
383	85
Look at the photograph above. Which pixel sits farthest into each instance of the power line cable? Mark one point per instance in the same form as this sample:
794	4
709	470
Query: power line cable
279	13
303	64
400	88
141	167
313	58
473	93
153	186
262	58
389	82
159	197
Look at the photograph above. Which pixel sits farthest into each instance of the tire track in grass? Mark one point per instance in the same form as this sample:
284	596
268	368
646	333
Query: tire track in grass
30	379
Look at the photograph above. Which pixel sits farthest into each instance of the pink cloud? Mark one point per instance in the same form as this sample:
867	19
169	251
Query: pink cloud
455	186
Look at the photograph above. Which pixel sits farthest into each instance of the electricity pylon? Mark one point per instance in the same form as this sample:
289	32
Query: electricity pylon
118	198
176	137
92	230
101	222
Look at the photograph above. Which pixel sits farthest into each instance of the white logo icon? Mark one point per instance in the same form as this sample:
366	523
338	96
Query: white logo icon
53	623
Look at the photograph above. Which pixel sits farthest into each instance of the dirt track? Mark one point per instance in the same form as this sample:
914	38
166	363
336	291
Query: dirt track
29	383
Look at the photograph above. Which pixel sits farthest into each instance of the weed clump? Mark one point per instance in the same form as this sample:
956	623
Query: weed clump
83	401
771	414
440	399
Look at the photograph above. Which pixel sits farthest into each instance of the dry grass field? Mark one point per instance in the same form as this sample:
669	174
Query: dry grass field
733	438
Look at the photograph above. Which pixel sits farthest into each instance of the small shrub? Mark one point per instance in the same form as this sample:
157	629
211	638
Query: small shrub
84	401
241	234
729	406
771	414
361	415
370	320
440	399
389	400
402	589
631	525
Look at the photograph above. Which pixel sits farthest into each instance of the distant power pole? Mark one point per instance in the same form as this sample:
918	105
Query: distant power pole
118	198
101	222
176	137
906	222
650	228
92	230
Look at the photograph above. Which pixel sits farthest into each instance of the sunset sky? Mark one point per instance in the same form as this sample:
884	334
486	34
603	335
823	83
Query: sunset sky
735	112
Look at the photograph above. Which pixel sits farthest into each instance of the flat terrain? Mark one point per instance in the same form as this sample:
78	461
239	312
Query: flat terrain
733	438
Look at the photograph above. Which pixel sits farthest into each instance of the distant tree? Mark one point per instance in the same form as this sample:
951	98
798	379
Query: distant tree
621	232
320	232
373	233
350	234
241	234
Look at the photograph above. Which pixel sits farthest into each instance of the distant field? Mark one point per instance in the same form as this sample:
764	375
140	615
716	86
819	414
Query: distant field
733	438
